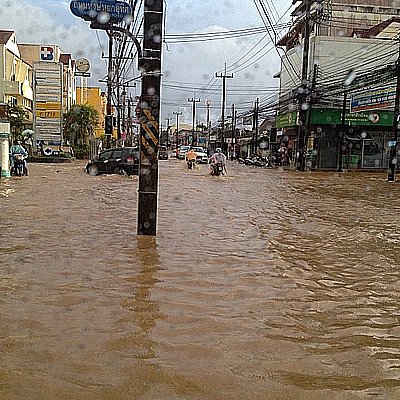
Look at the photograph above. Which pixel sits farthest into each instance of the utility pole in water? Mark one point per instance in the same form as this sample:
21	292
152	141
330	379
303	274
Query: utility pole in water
177	113
168	125
255	126
150	66
224	77
302	94
393	143
108	125
194	101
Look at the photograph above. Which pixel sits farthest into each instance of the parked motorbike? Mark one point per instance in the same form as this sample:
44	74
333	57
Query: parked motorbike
19	166
217	169
258	161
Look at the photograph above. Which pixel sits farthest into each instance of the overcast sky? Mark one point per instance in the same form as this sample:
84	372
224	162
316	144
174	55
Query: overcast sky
189	68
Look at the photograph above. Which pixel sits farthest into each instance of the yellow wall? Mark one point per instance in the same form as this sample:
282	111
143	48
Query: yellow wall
94	97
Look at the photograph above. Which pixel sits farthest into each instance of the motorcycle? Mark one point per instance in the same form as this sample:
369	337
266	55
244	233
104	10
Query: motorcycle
19	165
217	169
191	164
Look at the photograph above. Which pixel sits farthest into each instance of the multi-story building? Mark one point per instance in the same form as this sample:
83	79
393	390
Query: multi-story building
97	98
16	77
54	89
349	62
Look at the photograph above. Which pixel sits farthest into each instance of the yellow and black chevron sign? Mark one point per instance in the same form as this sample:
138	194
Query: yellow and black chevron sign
149	134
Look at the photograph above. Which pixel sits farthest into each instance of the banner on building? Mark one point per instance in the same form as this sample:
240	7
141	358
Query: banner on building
373	100
48	99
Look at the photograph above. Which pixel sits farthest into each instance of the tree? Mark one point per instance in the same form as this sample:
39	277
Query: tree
79	123
17	115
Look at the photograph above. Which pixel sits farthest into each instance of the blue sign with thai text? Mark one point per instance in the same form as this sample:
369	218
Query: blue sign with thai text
104	11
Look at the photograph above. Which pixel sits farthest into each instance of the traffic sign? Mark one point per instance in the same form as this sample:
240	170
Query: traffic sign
84	74
104	11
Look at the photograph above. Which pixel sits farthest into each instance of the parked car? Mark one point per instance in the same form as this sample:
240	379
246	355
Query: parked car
162	153
182	150
201	155
119	160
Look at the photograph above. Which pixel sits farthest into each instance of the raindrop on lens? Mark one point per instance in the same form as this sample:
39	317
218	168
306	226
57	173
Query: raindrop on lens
103	17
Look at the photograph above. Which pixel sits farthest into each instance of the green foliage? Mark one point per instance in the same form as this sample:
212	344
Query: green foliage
82	151
79	123
17	115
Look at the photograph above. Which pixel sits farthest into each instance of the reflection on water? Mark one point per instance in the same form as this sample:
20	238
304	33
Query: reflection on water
262	284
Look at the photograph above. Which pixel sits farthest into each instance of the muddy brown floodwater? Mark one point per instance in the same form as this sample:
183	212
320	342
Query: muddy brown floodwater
263	284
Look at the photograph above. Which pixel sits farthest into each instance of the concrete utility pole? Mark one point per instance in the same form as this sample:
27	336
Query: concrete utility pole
224	77
343	131
396	128
167	119
194	101
177	126
150	65
255	126
302	95
108	128
233	136
208	104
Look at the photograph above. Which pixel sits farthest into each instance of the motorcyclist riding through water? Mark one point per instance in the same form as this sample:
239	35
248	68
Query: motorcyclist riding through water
16	149
191	158
217	158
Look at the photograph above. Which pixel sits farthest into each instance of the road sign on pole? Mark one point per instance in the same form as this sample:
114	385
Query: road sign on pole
104	11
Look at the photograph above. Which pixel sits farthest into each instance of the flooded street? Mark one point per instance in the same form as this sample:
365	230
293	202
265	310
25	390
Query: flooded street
262	284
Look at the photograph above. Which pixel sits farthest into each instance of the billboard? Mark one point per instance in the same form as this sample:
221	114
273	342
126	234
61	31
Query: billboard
48	100
372	100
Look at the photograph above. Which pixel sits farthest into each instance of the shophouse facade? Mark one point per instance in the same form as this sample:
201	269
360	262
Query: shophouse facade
54	90
16	77
350	63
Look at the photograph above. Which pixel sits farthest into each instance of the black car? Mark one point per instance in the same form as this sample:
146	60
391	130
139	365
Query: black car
162	153
119	160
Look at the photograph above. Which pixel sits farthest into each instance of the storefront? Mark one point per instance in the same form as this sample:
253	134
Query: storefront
362	143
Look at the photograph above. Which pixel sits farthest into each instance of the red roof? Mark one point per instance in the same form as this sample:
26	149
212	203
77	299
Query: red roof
5	36
375	30
65	57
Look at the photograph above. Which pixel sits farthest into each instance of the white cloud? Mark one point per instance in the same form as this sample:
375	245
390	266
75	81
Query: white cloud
193	64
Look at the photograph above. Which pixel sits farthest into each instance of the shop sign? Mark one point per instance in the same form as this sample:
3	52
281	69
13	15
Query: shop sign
286	120
334	117
373	100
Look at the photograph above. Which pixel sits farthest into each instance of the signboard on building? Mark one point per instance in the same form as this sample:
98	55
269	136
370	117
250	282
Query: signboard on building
334	117
47	53
48	101
373	100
